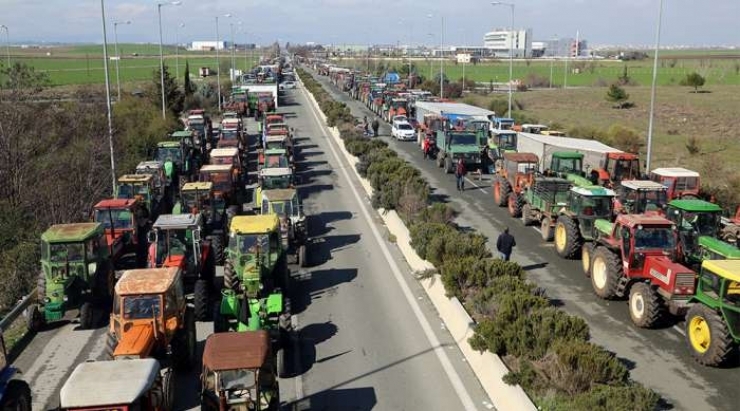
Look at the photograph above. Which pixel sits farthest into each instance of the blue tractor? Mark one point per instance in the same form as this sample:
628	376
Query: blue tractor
15	394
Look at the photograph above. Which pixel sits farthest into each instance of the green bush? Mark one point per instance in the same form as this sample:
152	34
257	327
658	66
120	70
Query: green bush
483	302
437	213
631	397
469	274
422	234
580	365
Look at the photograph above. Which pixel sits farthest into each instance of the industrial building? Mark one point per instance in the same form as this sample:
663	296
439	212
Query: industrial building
505	43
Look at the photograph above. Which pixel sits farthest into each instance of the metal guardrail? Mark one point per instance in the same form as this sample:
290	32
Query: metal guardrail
17	311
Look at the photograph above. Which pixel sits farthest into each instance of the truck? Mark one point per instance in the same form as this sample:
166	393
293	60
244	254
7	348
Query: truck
254	88
452	145
543	146
452	111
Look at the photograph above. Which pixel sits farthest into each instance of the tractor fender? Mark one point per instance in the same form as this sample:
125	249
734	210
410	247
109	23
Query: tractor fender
600	174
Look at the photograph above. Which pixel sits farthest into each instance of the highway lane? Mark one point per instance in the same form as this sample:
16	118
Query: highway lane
657	358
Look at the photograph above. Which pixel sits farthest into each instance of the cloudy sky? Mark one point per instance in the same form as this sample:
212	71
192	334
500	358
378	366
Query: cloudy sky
685	22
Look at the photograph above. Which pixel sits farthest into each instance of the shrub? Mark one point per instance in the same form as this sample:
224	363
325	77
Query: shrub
437	213
625	138
580	365
694	80
617	95
423	233
468	274
499	106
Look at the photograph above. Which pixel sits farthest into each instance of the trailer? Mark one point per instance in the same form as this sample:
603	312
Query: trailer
453	111
543	146
253	88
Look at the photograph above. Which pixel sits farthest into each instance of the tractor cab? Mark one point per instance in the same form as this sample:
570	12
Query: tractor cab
133	186
502	123
615	167
254	249
276	177
178	163
224	180
137	384
432	123
515	174
231	133
118	218
190	140
569	165
276	158
176	241
239	370
681	183
159	177
500	142
534	128
641	197
591	203
696	219
286	204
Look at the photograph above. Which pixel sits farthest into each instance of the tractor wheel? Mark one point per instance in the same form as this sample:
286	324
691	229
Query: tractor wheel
201	300
497	191
515	205
35	321
17	396
111	343
280	360
567	237
587	252
220	324
41	287
217	249
606	269
168	390
505	192
546	229
527	215
448	165
302	256
231	280
708	337
646	306
87	314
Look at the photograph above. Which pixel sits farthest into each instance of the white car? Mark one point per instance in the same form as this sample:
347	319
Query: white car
287	85
400	119
402	130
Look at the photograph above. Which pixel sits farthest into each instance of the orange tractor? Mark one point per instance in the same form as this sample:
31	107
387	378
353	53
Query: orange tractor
615	167
516	174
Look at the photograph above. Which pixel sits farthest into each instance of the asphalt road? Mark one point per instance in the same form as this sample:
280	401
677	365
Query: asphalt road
368	337
657	358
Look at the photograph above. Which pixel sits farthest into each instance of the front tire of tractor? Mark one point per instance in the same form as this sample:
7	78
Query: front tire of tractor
17	396
302	256
708	337
515	205
231	281
87	314
546	229
587	252
35	320
606	269
217	249
646	306
201	300
567	238
280	363
168	390
527	215
41	287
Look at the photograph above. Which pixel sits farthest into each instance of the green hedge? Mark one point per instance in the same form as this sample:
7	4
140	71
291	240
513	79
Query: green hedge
547	349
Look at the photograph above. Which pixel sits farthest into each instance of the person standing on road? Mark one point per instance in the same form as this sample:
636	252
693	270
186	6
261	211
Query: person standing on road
505	244
376	125
460	173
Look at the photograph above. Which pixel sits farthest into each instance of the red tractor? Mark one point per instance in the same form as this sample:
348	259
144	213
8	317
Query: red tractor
681	183
124	233
615	167
635	256
516	174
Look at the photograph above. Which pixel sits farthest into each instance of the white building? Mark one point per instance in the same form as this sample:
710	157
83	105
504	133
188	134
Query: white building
207	45
504	42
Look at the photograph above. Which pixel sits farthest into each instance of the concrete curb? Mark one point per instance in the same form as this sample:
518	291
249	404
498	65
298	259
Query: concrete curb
488	367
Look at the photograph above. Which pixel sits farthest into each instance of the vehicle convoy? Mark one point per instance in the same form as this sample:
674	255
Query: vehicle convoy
640	197
134	186
681	183
239	370
135	384
176	242
286	204
255	276
76	271
151	319
15	394
517	172
453	145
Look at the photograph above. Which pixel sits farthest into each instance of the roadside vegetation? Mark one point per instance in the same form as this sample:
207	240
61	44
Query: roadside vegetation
547	350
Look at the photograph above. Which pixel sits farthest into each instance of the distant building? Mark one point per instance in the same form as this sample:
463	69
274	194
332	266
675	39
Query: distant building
208	45
505	43
566	47
538	48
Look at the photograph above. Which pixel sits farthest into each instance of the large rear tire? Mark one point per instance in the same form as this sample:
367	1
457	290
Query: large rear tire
201	300
646	306
707	336
168	390
87	314
302	256
231	280
515	205
606	269
546	229
111	343
448	165
217	249
568	239
587	252
527	215
184	344
17	396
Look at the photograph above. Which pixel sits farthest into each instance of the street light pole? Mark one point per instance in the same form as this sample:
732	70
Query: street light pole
552	59
652	90
442	60
177	49
7	42
118	56
161	54
218	62
107	99
511	47
233	56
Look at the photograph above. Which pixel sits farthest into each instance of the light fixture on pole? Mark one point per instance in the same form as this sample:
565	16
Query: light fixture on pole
161	53
107	100
118	56
7	42
511	46
652	91
177	50
218	61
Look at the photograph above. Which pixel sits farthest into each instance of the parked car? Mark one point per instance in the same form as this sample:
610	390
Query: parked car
403	131
287	85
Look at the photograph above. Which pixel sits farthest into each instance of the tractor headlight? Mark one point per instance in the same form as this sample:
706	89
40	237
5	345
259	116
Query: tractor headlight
47	300
65	298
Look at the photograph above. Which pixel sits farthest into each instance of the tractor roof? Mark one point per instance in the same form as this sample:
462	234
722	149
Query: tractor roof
729	269
632	220
542	126
594	191
135	178
197	186
647	185
497	132
90	385
146	281
720	247
224	152
275	151
237	350
177	221
275	171
215	168
279	194
276	136
617	155
168	144
675	172
567	154
152	165
277	125
115	203
696	206
182	134
254	224
273	117
521	157
67	233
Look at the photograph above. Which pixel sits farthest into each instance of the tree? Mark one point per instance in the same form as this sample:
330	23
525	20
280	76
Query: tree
624	79
694	80
617	95
187	86
172	93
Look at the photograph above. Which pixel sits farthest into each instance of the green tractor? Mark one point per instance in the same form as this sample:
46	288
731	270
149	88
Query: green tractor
179	162
588	207
199	197
712	326
255	275
287	205
76	271
568	165
500	142
543	202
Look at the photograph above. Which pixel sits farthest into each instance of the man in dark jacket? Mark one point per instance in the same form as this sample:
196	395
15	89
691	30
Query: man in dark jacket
376	125
505	244
460	173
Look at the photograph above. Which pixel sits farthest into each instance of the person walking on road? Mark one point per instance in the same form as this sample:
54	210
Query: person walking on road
460	173
376	125
505	244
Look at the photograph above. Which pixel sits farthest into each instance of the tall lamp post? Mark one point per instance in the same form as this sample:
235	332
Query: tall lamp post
177	49
7	42
441	57
218	62
511	46
107	99
118	56
652	90
552	57
161	52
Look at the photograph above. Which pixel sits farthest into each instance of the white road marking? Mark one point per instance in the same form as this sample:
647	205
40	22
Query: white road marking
476	185
296	361
444	360
680	331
